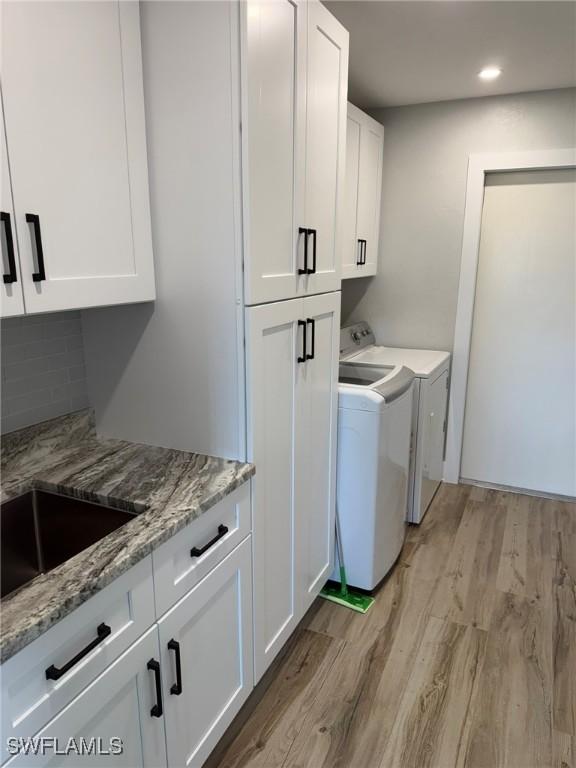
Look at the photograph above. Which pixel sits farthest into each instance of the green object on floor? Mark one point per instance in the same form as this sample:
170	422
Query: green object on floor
341	595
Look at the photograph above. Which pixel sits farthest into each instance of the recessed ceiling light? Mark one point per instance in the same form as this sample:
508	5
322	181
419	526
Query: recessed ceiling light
489	73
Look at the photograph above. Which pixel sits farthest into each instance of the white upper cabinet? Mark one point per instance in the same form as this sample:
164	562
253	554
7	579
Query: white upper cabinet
327	86
295	72
364	151
12	300
74	115
274	54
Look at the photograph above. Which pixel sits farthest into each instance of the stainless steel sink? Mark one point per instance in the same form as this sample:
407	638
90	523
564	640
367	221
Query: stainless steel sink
41	530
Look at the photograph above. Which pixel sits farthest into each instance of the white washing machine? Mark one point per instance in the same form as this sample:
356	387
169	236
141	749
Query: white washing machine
374	426
432	371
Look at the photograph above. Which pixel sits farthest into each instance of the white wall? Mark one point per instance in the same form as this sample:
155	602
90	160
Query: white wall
412	300
170	373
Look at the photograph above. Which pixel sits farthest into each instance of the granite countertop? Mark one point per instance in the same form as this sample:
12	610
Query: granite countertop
168	488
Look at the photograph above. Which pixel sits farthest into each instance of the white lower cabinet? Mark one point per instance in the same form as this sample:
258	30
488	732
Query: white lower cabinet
291	364
206	651
114	716
316	468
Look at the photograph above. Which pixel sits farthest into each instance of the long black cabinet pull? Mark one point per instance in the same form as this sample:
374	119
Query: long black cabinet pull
176	688
196	552
311	322
304	231
10	276
362	255
302	324
313	270
359	255
40	275
55	673
154	666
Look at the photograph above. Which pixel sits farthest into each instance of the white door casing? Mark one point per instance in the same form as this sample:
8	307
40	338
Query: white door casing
520	418
478	166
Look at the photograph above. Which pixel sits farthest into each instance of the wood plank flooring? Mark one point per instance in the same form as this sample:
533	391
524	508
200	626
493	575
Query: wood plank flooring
467	659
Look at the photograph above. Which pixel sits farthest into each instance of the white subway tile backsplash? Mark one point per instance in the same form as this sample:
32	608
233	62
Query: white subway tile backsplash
43	372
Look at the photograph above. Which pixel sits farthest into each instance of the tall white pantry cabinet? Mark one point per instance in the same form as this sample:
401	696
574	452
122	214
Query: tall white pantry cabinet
295	72
246	126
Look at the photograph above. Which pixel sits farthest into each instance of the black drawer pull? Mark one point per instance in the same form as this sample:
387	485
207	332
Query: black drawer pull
154	666
304	231
313	270
311	322
302	358
222	531
364	252
55	673
359	255
176	689
33	219
10	276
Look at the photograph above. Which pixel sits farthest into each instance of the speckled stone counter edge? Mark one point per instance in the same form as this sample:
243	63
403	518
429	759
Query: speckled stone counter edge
168	488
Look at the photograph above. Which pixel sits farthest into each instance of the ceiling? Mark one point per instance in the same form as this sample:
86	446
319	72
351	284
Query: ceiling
410	52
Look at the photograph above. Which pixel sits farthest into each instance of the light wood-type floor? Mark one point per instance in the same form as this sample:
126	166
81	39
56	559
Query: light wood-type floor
468	657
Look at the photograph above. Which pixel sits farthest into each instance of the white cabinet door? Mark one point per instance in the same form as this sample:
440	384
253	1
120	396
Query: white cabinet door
274	341
351	255
326	88
369	192
74	113
209	635
12	300
364	150
316	446
273	44
114	714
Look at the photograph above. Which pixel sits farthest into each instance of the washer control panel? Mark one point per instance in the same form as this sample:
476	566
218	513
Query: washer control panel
355	337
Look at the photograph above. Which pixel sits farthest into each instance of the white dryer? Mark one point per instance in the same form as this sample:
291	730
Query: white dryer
432	369
374	426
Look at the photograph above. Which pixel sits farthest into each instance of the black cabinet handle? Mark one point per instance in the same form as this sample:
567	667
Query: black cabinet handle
154	666
302	357
304	231
10	276
362	255
176	689
222	531
33	219
311	322
359	255
313	270
55	673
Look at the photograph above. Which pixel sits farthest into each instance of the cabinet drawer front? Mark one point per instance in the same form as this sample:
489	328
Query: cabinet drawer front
206	652
176	570
112	714
29	699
